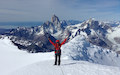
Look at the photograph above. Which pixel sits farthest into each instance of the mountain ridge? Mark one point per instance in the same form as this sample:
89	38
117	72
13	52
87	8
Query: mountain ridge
94	31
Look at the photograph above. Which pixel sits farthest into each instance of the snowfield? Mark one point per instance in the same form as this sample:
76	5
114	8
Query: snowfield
80	49
67	68
16	62
11	58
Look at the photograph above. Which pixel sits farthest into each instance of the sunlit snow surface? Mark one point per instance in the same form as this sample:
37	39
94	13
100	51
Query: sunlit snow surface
16	62
80	49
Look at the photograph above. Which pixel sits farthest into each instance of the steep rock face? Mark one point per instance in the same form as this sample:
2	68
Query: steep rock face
55	19
53	27
56	22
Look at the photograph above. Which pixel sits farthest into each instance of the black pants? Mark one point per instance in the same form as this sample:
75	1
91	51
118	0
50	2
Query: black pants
57	59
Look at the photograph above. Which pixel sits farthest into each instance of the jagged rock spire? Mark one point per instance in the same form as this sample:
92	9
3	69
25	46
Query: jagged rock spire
55	19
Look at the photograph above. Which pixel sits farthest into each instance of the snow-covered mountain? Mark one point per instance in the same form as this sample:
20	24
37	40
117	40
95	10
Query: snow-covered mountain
70	22
98	33
81	49
16	62
113	23
35	39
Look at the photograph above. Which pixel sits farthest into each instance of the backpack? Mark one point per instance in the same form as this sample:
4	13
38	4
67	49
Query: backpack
58	52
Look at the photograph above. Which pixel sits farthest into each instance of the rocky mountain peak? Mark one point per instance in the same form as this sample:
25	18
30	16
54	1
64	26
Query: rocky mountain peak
91	23
48	23
36	36
55	19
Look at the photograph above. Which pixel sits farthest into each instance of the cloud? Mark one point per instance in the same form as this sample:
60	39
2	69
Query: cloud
11	11
35	10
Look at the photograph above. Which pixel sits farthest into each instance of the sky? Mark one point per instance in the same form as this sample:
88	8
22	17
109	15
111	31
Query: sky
42	10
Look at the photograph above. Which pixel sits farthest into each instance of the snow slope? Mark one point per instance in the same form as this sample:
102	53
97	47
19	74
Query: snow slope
67	68
80	49
11	58
16	62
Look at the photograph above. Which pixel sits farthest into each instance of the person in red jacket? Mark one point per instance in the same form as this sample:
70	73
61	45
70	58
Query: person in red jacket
57	46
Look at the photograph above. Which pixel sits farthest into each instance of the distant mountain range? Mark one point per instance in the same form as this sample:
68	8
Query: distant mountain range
98	33
35	39
2	31
11	25
7	26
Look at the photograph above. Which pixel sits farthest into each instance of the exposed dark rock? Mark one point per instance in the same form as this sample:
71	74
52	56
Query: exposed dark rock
117	39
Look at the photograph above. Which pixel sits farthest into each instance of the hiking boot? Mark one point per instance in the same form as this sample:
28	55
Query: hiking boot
55	64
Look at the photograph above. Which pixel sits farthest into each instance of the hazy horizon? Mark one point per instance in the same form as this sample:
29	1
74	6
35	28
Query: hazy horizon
11	25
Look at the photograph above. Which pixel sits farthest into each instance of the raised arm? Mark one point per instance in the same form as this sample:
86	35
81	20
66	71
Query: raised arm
63	42
51	42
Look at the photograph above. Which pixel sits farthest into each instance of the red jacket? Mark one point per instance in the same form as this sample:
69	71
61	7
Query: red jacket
56	45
